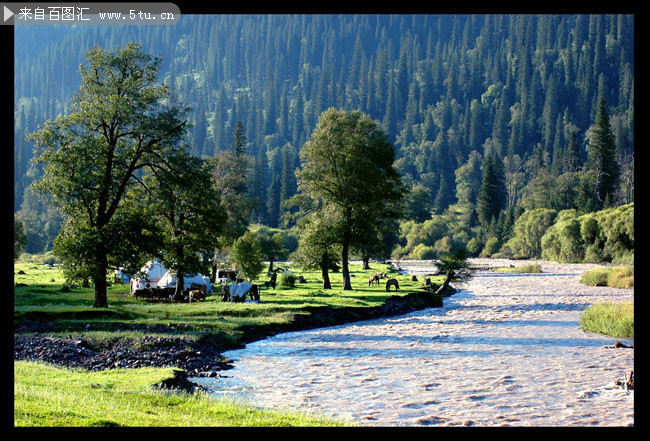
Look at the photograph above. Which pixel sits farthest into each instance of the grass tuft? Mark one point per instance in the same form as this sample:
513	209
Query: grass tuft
616	277
529	268
613	319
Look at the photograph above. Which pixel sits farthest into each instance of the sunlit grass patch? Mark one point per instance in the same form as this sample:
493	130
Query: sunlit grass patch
72	313
614	319
532	268
617	277
46	395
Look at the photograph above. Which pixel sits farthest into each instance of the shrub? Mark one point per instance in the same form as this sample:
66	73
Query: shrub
563	241
593	254
491	247
529	229
443	245
423	252
288	280
474	246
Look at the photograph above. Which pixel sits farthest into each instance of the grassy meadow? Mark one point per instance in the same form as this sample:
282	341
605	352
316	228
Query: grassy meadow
44	395
38	296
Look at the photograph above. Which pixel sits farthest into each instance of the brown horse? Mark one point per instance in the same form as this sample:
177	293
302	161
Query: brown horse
392	282
374	279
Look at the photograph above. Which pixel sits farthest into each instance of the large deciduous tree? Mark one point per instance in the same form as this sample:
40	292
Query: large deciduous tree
188	206
121	122
347	165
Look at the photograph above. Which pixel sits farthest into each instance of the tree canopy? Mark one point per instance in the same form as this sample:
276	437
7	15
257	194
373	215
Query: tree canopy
347	164
121	122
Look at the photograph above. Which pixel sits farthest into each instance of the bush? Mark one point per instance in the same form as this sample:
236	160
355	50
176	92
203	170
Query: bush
288	280
474	246
491	247
563	242
603	236
593	254
529	229
423	252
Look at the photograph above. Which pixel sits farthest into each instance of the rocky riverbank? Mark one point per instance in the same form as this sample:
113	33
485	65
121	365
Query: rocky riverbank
196	357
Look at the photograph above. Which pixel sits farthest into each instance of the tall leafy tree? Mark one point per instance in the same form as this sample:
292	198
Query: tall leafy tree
348	164
120	122
187	204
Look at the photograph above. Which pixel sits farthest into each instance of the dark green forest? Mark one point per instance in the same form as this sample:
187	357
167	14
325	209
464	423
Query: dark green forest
491	116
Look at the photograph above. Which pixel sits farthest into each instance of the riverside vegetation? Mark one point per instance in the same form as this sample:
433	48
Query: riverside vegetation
615	319
147	336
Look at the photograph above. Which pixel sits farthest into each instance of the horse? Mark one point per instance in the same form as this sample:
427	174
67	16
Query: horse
374	279
391	282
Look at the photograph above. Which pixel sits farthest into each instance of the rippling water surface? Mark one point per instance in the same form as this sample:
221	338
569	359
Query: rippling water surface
506	350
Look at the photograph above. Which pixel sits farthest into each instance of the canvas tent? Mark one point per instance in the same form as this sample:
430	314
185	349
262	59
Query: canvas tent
149	276
121	276
168	280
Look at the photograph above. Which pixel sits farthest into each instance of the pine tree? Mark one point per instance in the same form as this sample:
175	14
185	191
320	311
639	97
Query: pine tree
239	139
601	151
491	197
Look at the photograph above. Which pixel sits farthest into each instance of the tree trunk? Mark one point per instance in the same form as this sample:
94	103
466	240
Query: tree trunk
99	280
347	286
180	276
213	276
325	272
270	264
450	275
180	284
366	263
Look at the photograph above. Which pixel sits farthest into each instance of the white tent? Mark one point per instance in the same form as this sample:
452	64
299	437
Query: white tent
169	281
153	271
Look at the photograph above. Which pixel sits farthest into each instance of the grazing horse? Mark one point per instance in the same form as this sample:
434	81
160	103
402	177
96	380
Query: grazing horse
196	295
374	279
391	282
225	296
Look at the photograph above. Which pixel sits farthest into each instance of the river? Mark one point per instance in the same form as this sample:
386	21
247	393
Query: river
506	350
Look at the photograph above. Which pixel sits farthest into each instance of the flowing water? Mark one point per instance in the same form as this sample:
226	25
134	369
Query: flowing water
507	350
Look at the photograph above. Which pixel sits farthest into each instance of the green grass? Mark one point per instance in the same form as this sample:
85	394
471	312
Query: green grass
126	397
613	319
617	277
71	313
529	268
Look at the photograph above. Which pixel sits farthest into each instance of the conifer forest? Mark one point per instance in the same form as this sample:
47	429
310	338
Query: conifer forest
492	117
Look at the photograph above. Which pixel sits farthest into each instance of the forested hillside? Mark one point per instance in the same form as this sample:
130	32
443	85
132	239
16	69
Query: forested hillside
490	115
